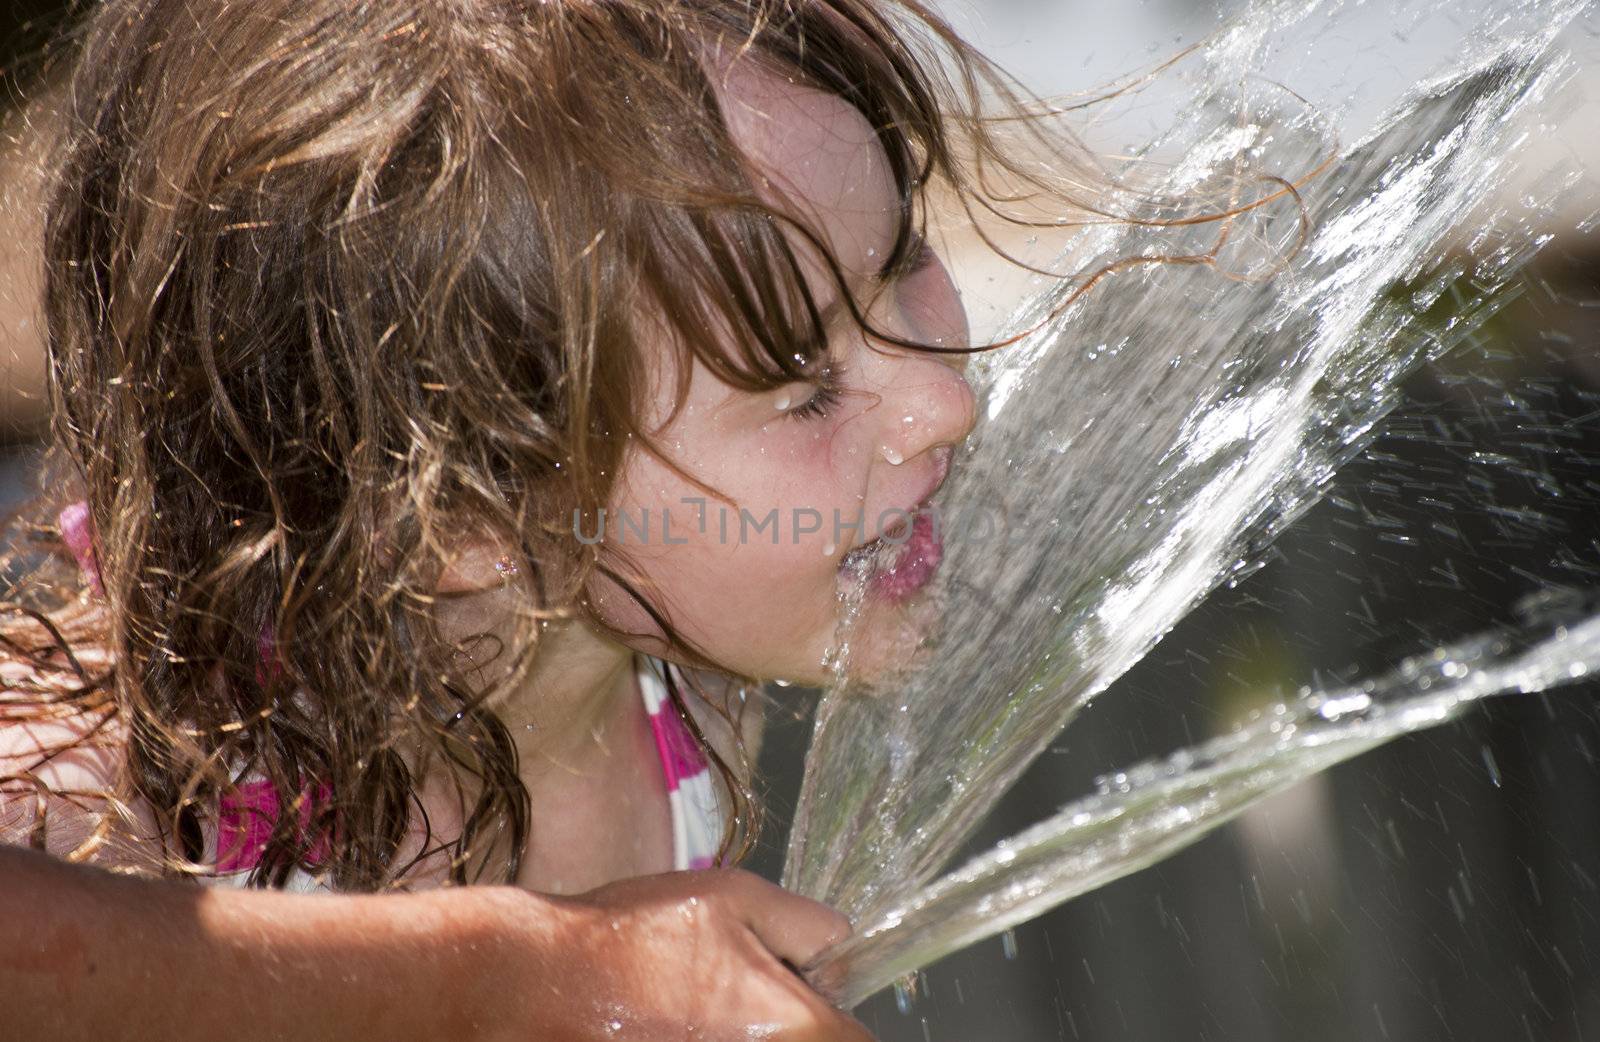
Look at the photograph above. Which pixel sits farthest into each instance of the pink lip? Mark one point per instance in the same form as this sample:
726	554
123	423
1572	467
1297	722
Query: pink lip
917	560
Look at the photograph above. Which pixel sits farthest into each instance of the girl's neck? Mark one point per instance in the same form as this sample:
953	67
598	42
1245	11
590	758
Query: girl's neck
588	758
577	681
585	753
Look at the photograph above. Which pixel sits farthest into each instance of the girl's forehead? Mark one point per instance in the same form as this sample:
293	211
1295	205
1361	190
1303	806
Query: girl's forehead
817	158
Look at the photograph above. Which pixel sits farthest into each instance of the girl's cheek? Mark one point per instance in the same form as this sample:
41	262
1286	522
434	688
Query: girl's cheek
796	450
814	465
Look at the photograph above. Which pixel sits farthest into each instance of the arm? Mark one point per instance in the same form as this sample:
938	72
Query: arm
85	954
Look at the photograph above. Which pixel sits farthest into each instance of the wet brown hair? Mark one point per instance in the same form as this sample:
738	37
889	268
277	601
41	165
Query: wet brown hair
330	284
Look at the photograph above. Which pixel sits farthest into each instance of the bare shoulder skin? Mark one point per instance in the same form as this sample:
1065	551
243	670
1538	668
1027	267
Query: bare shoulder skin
476	962
58	777
55	777
59	766
62	790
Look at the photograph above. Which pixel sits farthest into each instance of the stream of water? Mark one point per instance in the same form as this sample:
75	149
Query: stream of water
1141	447
1143	814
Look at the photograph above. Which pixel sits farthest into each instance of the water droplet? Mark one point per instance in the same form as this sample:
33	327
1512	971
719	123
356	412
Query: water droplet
829	549
1008	943
783	401
1494	767
893	456
903	997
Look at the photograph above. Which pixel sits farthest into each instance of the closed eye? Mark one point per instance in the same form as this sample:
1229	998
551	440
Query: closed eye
918	256
826	395
828	389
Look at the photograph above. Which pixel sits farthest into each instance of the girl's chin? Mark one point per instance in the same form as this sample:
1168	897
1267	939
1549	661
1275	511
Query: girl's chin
891	641
885	642
890	633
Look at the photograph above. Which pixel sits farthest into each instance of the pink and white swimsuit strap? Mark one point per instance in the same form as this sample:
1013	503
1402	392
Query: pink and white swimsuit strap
697	813
246	817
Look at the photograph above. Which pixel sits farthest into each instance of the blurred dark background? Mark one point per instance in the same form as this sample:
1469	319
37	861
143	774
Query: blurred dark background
26	26
1446	886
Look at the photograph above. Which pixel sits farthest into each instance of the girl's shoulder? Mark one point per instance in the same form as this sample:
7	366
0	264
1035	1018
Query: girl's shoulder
59	777
62	792
62	754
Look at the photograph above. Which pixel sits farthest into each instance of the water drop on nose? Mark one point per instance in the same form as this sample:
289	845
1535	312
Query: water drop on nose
893	456
830	549
908	420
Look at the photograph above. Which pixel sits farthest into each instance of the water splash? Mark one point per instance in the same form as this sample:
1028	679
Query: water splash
1143	814
1147	442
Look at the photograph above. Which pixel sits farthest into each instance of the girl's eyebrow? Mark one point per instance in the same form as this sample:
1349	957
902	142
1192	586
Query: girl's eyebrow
827	315
916	242
834	310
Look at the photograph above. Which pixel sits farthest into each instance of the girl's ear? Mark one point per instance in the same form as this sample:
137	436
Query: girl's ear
480	564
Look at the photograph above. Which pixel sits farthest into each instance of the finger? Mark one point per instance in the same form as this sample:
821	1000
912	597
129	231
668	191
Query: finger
829	978
795	929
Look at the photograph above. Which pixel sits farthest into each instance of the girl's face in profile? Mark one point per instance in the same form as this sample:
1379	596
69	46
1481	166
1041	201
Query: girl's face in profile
816	469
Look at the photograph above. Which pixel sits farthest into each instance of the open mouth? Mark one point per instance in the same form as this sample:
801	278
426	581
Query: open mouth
900	562
885	546
903	559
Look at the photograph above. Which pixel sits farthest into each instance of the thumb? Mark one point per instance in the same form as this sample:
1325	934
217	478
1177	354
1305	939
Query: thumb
795	929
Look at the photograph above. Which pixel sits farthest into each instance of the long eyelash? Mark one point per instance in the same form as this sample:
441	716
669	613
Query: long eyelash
922	257
918	256
829	392
830	382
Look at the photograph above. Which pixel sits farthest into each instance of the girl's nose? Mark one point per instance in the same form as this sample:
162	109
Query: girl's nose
933	405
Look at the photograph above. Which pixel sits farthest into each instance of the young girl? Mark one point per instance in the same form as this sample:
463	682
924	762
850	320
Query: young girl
459	406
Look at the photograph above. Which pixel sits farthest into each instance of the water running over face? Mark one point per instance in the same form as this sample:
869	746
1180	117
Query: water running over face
1138	450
